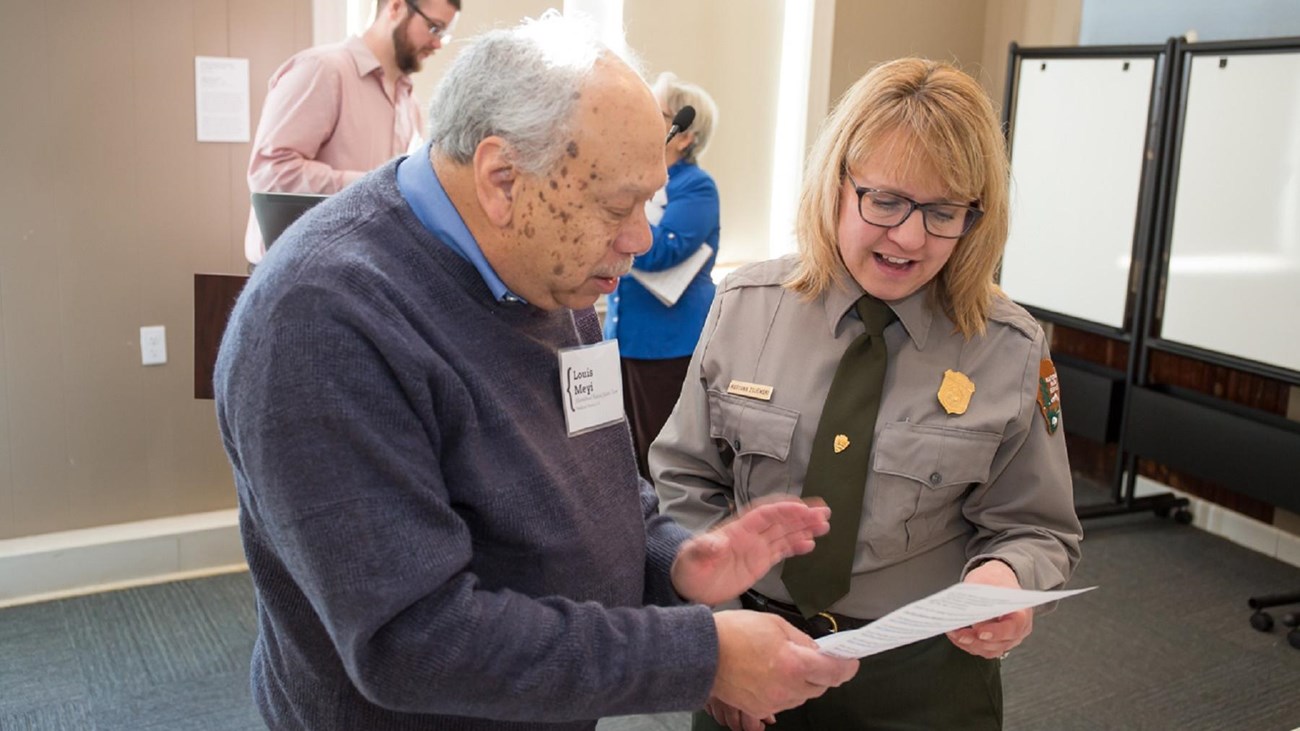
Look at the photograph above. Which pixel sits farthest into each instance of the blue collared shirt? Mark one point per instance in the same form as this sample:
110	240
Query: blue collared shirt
424	193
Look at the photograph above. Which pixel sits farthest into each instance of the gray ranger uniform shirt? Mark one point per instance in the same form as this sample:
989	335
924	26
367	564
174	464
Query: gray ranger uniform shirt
945	492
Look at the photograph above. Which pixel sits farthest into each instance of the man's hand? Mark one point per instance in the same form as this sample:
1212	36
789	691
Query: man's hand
720	564
766	666
733	718
997	636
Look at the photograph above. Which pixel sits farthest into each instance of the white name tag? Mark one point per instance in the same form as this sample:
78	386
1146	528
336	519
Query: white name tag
591	387
750	390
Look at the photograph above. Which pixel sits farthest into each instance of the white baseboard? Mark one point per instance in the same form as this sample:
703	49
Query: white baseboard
1253	534
70	563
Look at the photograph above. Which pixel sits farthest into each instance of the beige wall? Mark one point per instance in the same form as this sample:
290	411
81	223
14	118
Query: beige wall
974	34
108	206
477	16
868	32
1028	23
732	49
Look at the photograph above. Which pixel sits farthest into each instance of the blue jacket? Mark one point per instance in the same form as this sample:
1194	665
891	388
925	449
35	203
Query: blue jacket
645	328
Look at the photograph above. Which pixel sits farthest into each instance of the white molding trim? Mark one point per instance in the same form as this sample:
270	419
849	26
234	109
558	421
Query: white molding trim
90	560
1225	523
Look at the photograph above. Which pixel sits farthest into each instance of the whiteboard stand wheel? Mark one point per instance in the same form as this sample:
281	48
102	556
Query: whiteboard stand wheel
1262	621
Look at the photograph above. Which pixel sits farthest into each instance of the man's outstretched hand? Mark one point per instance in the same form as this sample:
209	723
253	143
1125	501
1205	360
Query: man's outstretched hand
716	566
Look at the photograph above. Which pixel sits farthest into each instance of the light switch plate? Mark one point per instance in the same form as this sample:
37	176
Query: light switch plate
153	345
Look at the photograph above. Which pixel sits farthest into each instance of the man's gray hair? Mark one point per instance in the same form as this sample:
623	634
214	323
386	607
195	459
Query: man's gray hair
521	84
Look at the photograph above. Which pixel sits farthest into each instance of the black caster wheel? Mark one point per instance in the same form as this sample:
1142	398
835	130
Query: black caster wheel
1261	621
1291	619
1183	516
1293	638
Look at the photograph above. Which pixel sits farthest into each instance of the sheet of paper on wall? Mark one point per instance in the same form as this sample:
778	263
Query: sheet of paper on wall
668	284
221	99
960	605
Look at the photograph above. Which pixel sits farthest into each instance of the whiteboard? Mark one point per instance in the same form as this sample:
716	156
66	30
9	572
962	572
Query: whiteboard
1077	145
1233	277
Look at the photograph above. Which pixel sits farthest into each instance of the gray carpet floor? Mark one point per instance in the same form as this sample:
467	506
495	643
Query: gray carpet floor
1164	643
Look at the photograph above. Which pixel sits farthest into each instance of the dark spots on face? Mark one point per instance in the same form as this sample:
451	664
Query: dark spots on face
558	269
529	231
577	95
594	176
541	196
565	216
564	171
582	185
572	149
551	207
554	185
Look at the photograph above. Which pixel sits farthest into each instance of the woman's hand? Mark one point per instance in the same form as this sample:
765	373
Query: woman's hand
995	637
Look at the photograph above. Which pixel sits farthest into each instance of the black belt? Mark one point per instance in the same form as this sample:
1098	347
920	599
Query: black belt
818	625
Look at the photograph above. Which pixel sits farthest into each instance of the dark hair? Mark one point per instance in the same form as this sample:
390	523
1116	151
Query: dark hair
379	4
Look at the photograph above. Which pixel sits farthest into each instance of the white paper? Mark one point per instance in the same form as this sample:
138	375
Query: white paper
654	208
591	386
221	99
960	605
667	285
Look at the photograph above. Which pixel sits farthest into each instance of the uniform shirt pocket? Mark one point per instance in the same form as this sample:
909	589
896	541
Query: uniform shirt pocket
922	476
758	435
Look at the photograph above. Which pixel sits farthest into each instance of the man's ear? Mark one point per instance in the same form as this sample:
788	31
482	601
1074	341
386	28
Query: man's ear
395	9
496	180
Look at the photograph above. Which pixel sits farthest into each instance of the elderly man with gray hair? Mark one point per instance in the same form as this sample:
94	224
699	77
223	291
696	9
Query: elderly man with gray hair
438	497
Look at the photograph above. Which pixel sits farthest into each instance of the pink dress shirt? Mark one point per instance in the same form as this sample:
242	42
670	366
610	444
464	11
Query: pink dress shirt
326	122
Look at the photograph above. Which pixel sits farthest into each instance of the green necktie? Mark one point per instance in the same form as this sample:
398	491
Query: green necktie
838	465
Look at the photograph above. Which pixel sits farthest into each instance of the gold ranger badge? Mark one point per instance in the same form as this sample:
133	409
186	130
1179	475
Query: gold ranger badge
1049	395
841	443
955	392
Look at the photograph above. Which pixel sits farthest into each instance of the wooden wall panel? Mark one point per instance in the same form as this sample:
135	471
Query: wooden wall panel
1090	347
100	262
33	227
1231	385
6	454
108	207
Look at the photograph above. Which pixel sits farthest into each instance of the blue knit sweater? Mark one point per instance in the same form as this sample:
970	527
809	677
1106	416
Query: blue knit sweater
430	549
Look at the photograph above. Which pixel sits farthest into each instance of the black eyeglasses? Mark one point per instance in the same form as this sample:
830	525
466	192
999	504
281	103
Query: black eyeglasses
436	28
887	210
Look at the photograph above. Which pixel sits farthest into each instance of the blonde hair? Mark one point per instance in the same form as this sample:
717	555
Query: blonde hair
676	94
939	117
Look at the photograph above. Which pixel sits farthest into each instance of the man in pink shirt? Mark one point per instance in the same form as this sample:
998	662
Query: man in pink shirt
335	112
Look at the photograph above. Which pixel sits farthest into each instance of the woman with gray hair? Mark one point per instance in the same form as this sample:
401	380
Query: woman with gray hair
655	334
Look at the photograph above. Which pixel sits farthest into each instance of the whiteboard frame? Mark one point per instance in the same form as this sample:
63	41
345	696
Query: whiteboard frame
1164	243
1148	187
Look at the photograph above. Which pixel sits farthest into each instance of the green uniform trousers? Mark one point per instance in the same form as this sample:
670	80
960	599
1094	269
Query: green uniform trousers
927	685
